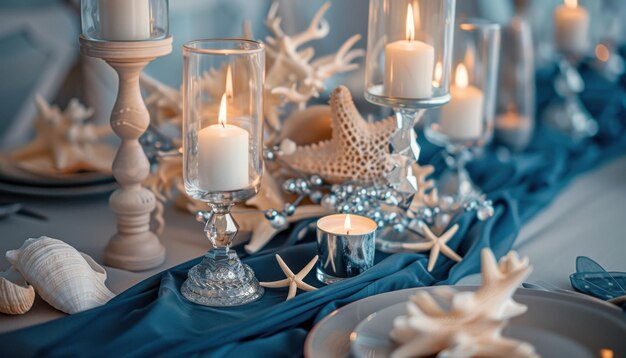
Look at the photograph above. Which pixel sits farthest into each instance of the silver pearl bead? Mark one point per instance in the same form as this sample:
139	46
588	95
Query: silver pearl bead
278	222
316	180
289	209
270	214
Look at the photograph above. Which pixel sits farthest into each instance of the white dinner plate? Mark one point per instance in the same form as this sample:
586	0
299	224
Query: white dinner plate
553	321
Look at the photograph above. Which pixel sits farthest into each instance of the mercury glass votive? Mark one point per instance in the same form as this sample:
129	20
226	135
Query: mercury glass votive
466	122
124	20
222	157
345	245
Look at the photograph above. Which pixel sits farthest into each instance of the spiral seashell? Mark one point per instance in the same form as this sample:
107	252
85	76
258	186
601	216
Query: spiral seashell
68	280
16	296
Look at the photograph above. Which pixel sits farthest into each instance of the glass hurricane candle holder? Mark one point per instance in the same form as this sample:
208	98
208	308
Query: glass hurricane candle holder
515	105
466	122
567	113
124	20
408	67
222	156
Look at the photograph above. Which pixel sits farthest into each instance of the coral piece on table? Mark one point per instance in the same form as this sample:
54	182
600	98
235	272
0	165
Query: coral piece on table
358	150
65	142
472	325
293	281
293	73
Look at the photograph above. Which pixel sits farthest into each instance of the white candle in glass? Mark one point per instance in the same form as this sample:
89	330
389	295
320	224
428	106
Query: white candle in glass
462	117
124	20
409	65
223	155
346	225
571	27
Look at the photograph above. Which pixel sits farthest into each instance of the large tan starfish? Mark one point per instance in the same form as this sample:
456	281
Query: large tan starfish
435	244
293	281
358	149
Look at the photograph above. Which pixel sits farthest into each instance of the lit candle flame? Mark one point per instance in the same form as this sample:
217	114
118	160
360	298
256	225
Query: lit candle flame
221	117
571	3
229	83
602	53
410	24
438	74
461	79
347	225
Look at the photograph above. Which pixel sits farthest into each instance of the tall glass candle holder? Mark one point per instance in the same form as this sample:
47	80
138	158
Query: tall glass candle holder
515	105
466	122
567	113
408	68
223	143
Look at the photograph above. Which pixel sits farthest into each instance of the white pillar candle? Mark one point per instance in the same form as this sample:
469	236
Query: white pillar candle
223	155
409	65
346	225
124	20
462	117
571	27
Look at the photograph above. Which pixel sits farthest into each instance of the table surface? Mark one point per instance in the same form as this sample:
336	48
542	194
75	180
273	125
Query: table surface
587	218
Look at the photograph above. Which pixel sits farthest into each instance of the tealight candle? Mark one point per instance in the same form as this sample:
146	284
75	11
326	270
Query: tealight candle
462	117
223	155
409	65
345	245
124	20
571	31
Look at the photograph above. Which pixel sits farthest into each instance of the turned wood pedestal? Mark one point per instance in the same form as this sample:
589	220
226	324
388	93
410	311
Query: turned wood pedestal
133	247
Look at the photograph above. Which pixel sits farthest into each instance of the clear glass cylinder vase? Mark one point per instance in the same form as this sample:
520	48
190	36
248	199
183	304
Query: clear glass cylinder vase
223	119
409	52
125	20
467	120
515	104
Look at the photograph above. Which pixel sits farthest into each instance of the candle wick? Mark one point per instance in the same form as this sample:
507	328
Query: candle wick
223	125
347	232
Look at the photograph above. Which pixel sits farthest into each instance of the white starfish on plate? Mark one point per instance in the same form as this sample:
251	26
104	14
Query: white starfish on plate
435	244
293	281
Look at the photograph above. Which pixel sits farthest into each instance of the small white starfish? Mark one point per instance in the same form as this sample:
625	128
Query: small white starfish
293	281
436	245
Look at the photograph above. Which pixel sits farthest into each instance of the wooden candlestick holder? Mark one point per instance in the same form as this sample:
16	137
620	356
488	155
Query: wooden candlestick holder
133	247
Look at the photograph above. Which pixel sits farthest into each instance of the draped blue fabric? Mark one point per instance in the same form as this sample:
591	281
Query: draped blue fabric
152	318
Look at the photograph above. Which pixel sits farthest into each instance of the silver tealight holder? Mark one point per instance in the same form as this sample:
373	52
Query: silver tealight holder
346	246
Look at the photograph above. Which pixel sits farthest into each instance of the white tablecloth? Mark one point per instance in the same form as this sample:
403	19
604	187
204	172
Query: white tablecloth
588	218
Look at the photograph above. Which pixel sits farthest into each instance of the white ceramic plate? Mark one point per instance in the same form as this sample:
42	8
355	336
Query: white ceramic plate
553	321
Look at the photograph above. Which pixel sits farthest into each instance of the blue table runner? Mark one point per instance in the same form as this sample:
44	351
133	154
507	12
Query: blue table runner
152	318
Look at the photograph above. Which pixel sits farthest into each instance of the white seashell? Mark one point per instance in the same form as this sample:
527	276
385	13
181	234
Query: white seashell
16	296
68	280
